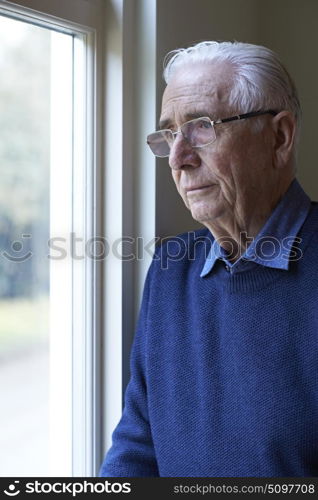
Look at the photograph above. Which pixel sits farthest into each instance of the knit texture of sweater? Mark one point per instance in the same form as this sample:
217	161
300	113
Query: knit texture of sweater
224	369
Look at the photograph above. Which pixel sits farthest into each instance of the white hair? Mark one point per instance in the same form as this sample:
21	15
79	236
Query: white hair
261	81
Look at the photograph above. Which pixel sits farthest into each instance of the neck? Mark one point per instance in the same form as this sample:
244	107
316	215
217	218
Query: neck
236	233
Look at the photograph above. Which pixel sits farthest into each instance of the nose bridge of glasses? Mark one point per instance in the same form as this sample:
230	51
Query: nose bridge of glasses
179	131
183	136
175	143
180	149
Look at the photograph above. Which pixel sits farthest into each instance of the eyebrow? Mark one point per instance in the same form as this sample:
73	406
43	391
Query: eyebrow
165	123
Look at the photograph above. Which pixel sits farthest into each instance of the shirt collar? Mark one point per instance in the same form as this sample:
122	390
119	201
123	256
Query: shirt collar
273	244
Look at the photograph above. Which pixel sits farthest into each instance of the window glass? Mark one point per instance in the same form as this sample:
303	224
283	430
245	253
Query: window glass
25	163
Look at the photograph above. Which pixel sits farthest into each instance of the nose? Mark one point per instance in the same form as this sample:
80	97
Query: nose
182	154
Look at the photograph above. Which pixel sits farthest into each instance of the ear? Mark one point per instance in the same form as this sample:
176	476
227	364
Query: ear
284	127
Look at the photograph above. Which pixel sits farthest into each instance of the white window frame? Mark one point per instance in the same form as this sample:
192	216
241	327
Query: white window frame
130	184
81	453
118	198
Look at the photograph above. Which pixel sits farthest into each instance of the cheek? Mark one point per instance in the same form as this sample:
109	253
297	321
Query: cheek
220	166
176	176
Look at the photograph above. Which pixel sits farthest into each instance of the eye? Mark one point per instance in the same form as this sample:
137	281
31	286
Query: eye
168	136
204	124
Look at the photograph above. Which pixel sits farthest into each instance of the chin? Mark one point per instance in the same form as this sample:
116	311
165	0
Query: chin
205	214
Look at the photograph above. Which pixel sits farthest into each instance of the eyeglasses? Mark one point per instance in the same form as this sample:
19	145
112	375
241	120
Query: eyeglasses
198	133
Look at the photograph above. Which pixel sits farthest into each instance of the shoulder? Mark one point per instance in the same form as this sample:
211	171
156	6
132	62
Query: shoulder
182	250
187	240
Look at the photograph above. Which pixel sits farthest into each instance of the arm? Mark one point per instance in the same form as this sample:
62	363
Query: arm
132	452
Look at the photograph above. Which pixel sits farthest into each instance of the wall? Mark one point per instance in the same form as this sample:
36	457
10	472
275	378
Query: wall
287	26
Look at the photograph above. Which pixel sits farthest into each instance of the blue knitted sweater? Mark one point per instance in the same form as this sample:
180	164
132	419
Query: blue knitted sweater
224	369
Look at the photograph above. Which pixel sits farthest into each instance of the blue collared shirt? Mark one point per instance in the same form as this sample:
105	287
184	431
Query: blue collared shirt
272	246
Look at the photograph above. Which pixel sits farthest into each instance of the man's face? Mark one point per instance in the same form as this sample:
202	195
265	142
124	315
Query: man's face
224	180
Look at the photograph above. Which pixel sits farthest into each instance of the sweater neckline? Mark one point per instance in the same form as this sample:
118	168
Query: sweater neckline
260	277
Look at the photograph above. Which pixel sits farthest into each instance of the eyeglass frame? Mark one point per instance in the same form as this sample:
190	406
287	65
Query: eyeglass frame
251	114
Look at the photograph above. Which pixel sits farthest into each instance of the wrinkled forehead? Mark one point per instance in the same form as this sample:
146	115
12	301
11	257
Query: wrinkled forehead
195	88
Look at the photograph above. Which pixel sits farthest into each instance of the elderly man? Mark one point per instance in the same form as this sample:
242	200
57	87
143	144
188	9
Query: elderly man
224	363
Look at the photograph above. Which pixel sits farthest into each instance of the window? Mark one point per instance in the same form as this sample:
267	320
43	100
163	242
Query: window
100	183
29	56
48	266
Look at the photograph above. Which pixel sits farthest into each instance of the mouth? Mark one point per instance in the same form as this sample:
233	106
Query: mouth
199	189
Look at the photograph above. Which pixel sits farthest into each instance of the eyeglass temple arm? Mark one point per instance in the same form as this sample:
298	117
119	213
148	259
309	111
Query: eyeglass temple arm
246	115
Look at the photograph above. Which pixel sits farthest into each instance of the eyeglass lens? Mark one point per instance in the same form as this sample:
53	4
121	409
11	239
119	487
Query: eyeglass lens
198	133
